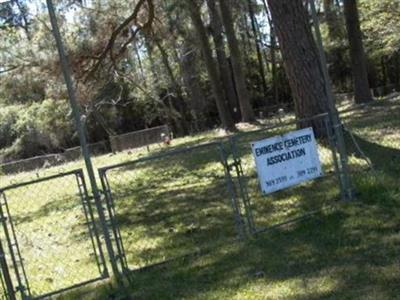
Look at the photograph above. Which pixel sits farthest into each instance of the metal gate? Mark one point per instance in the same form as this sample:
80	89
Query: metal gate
50	241
170	205
286	206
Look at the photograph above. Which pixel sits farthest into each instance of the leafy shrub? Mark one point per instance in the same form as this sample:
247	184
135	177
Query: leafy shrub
35	129
8	119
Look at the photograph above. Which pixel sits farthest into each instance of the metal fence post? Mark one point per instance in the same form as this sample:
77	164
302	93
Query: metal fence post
231	190
6	274
242	184
120	255
332	145
81	132
333	113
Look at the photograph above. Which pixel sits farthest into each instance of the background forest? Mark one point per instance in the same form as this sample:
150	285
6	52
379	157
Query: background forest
194	65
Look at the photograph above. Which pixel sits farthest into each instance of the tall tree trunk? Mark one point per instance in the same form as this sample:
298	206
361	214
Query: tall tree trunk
301	60
188	64
336	33
224	69
244	99
245	40
191	81
398	72
155	80
273	45
362	91
274	66
257	39
149	49
223	111
181	124
384	72
180	101
332	20
139	60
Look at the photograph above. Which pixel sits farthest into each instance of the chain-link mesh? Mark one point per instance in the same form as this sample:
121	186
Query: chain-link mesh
140	138
265	211
49	168
171	204
52	240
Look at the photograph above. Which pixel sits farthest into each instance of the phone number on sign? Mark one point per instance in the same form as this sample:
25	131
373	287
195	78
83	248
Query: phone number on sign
283	179
308	171
276	181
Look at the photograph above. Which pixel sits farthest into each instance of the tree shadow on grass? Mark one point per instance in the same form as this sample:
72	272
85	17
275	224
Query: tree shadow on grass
169	164
342	254
163	224
348	247
320	247
58	204
383	158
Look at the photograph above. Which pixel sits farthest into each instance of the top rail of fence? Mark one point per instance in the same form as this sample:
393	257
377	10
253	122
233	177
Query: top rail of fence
42	179
159	155
142	131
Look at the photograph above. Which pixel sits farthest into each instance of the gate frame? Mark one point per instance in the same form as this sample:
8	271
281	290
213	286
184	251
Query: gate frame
6	282
12	240
109	198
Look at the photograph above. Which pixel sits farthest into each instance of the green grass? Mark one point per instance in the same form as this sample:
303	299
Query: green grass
52	234
171	206
179	205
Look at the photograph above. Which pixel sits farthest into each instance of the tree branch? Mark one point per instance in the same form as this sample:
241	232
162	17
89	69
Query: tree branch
9	69
132	18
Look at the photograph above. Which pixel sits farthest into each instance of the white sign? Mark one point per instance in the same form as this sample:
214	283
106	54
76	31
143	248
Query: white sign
286	160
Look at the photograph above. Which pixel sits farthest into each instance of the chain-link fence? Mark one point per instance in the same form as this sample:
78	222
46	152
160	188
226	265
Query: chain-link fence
50	238
159	206
140	138
170	204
